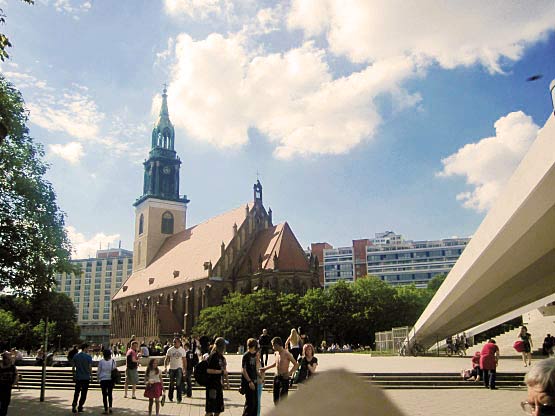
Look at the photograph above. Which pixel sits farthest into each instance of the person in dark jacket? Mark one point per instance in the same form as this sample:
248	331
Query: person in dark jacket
8	378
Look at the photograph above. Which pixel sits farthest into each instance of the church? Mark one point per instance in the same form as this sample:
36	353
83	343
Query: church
178	269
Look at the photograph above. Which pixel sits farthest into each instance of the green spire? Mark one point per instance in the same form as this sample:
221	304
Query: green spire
164	109
163	134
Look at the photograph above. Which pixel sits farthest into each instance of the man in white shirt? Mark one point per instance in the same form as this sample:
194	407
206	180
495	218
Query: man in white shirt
176	356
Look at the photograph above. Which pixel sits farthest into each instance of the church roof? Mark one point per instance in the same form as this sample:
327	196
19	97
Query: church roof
185	252
279	241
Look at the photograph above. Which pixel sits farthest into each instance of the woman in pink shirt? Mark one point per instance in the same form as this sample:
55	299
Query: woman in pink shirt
489	358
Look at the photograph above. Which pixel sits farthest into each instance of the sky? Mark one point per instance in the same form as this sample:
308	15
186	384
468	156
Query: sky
359	116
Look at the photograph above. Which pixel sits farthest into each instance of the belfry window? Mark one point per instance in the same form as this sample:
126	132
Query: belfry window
167	223
141	223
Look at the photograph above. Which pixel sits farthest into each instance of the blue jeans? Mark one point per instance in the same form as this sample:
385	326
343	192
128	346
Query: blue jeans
187	386
176	378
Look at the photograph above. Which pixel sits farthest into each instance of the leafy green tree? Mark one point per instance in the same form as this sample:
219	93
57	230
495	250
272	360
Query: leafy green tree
38	330
435	283
243	316
29	312
10	327
4	41
33	241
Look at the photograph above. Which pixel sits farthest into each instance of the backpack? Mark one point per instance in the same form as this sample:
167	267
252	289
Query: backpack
201	373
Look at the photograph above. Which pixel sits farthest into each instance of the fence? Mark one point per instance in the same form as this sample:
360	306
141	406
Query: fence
391	340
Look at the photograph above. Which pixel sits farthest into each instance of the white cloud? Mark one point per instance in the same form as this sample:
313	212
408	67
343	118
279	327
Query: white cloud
292	97
73	8
72	112
450	33
488	163
199	9
84	247
72	152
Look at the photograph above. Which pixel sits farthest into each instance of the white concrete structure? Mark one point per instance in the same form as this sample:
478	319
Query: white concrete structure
510	261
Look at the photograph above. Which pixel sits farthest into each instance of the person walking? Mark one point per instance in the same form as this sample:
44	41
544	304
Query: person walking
249	376
132	371
489	359
192	359
177	359
308	364
8	378
154	385
282	360
265	343
526	339
82	368
104	375
293	344
217	370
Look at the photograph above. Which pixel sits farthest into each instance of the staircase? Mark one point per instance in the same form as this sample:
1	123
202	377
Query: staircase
62	379
405	381
538	327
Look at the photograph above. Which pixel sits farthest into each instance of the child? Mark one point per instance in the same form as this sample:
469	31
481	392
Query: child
154	385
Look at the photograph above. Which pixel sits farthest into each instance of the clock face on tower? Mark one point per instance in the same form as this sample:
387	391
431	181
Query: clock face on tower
166	170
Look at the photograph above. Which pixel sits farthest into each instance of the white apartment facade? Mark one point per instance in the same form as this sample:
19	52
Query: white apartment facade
393	259
91	291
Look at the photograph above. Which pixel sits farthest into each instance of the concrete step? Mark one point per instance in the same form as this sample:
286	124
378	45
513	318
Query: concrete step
62	379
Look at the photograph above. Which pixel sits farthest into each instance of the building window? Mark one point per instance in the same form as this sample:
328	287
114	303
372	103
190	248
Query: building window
167	223
141	223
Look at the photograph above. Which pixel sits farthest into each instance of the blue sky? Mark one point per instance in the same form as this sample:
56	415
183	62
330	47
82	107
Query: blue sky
360	116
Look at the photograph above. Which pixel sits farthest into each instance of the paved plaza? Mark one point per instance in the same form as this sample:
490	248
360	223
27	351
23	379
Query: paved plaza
411	402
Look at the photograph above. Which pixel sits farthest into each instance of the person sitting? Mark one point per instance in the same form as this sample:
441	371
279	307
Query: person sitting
475	372
540	382
547	346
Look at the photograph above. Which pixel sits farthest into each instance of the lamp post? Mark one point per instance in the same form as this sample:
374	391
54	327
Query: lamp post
552	92
59	336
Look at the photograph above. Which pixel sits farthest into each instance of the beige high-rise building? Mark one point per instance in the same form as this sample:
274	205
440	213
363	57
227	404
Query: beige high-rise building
92	290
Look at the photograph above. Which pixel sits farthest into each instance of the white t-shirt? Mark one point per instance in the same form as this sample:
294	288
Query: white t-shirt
176	357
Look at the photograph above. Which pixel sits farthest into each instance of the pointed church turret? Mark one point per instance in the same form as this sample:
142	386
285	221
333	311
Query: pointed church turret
160	210
257	188
161	176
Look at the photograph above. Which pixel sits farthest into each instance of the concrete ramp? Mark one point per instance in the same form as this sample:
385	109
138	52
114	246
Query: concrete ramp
510	261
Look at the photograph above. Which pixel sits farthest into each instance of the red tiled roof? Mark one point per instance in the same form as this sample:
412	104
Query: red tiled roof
277	240
185	252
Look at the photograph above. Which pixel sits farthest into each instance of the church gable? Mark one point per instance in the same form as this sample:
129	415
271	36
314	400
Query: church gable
275	248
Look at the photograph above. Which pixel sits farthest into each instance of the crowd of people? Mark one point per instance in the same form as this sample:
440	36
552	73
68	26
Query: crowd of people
294	361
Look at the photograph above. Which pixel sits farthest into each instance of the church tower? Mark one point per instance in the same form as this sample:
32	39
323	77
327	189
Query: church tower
160	212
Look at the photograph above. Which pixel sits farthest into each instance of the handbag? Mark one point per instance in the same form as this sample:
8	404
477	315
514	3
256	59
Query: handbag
518	346
163	399
115	374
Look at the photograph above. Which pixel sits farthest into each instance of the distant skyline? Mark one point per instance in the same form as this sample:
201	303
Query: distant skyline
360	116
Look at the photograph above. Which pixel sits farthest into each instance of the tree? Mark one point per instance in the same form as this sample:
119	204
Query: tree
4	41
243	316
31	312
435	283
10	327
33	241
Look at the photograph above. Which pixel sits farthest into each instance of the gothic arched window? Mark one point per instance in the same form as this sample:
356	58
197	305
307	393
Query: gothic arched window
167	223
141	223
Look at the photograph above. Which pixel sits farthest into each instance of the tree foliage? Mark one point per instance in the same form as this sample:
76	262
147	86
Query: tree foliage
4	41
33	241
343	313
30	314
